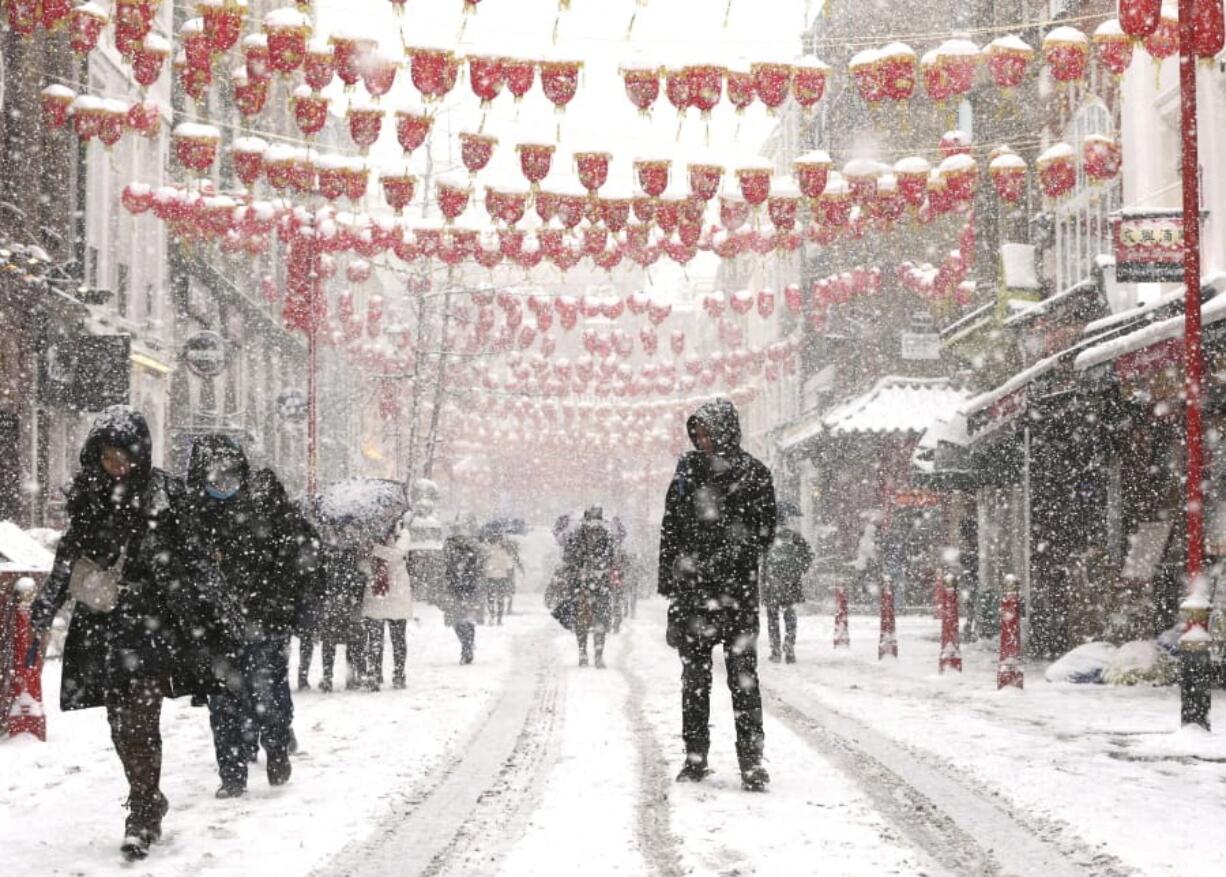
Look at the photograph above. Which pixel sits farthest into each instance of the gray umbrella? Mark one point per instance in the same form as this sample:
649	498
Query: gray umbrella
360	510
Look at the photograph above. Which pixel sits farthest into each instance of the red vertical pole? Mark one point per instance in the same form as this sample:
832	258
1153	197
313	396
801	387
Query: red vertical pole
1009	671
312	462
842	638
1194	639
951	642
888	643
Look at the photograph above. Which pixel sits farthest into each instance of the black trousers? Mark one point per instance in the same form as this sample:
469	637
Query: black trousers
353	638
258	710
737	631
134	713
772	626
374	646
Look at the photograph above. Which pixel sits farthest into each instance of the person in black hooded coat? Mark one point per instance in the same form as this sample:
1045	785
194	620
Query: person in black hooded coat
173	622
719	519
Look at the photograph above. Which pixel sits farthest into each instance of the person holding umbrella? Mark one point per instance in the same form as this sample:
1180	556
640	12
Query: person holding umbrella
389	601
787	560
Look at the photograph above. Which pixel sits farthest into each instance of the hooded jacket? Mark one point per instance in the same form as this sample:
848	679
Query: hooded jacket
719	518
166	615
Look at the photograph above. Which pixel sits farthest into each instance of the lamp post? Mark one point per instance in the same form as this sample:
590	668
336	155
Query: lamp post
1194	690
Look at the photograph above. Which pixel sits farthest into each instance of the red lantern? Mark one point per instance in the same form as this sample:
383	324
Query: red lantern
1208	28
653	175
812	171
519	76
896	65
836	203
433	71
676	342
148	59
1057	170
133	22
310	110
809	81
287	30
196	145
960	174
1066	51
23	16
196	45
476	150
255	56
452	199
782	209
145	118
766	303
794	298
319	65
755	183
331	170
955	143
1008	173
137	198
957	60
705	86
1008	59
195	80
657	312
615	212
865	70
279	166
569	209
85	27
350	54
677	89
742	90
705	180
535	160
398	189
1140	18
485	77
56	101
223	22
247	156
936	82
560	81
412	129
642	87
861	175
772	82
365	124
249	95
1101	158
733	212
650	340
1163	43
593	169
1114	47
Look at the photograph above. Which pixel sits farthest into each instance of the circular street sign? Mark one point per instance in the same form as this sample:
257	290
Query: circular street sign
292	405
205	354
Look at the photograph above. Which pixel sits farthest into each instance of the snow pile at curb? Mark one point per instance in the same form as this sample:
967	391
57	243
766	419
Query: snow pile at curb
1141	663
1084	664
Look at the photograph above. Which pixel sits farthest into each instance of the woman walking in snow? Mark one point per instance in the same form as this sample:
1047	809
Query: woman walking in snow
389	602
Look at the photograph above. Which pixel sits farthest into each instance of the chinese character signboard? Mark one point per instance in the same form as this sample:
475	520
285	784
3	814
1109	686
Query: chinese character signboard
1148	246
917	345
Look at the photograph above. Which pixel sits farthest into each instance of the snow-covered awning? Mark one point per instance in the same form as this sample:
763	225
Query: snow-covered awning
20	553
895	405
800	432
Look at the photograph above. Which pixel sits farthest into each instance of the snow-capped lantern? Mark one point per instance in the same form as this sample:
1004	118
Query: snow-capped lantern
812	172
741	90
196	145
560	81
783	204
85	27
652	175
861	175
195	43
223	22
704	180
302	171
358	271
365	124
195	81
288	30
912	174
809	77
250	95
896	71
379	73
1008	59
593	169
794	298
247	156
350	53
145	118
137	198
1100	158
310	110
742	301
412	129
255	57
54	12
23	16
772	82
279	166
1208	28
433	71
642	86
755	182
705	85
733	211
865	70
476	150
319	65
658	312
331	170
518	75
1066	50
535	160
834	206
1139	18
357	179
960	174
56	102
452	198
149	59
1163	43
955	143
1114	47
889	205
615	213
133	22
936	86
1008	173
485	77
677	89
1057	170
957	60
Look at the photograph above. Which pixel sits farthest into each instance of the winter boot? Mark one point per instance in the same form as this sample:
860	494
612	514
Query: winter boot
231	788
775	657
325	685
789	658
398	681
695	769
292	746
279	769
599	660
143	827
754	777
583	659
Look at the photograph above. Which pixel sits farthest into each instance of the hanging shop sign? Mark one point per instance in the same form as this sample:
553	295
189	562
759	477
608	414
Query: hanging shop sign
921	345
292	405
1148	246
86	372
205	354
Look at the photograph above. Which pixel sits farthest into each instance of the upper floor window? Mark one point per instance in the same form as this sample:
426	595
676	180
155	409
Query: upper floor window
1082	224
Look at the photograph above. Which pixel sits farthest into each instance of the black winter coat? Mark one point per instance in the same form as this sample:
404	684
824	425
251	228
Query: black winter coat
338	603
787	560
587	558
719	518
173	623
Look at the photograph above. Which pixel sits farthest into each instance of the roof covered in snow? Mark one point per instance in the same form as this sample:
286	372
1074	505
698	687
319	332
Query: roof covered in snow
894	405
21	553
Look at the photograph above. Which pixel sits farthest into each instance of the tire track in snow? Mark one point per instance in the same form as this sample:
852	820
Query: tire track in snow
968	830
660	847
463	817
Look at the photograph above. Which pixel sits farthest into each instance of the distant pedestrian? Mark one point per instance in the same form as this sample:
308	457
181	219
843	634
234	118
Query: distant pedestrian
389	603
464	570
339	612
787	560
587	562
719	519
501	562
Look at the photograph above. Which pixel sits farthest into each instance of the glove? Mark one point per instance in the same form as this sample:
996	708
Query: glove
33	652
674	634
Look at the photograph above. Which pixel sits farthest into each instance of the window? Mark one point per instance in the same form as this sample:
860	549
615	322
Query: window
121	289
1083	229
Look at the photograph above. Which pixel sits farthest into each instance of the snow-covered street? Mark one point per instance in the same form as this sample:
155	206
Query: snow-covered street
524	759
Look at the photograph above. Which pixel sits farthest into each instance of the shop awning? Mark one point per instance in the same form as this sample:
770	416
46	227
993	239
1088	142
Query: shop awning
1155	341
895	405
798	433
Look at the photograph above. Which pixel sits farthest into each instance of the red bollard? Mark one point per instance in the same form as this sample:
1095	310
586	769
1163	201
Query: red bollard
1009	672
951	642
888	644
842	638
26	715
